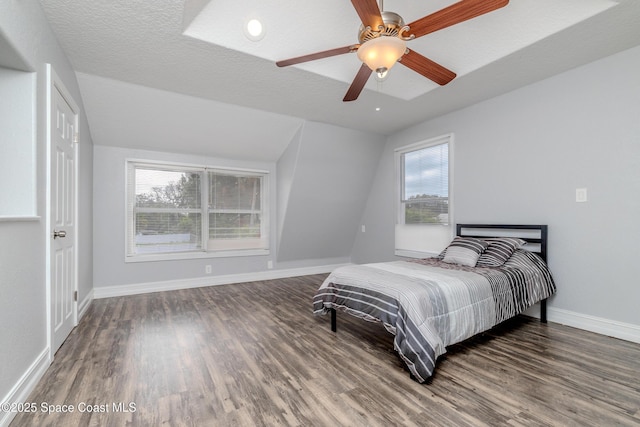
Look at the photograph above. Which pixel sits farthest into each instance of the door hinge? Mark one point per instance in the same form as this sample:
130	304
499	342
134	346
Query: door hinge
75	137
75	296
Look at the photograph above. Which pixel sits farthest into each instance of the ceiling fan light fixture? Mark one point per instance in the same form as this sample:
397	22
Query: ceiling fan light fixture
381	53
382	38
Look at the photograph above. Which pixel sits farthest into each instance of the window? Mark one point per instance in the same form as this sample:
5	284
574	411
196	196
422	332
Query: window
235	210
425	185
424	201
187	210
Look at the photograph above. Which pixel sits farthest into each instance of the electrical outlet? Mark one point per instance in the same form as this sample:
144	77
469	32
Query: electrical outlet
269	264
363	228
581	194
207	269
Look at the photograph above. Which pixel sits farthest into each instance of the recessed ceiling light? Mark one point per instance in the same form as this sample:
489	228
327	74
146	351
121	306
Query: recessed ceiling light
254	29
378	108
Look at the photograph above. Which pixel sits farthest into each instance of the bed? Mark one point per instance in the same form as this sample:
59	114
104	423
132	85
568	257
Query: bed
488	274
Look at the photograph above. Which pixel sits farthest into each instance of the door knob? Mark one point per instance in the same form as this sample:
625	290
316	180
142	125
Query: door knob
60	234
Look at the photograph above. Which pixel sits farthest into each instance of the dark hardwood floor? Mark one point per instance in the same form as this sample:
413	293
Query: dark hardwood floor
253	354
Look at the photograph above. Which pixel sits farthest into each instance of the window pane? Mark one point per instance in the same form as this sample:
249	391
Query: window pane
234	225
157	232
234	192
234	207
167	189
434	211
164	220
426	185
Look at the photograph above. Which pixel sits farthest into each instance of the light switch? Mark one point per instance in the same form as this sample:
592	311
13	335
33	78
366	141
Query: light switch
581	194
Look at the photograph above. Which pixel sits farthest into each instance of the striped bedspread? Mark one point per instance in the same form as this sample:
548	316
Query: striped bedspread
429	304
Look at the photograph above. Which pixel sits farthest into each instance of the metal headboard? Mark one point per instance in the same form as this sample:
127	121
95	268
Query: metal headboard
534	235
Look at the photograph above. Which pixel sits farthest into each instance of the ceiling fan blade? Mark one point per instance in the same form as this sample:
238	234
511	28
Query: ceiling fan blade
369	12
428	68
454	14
358	83
317	55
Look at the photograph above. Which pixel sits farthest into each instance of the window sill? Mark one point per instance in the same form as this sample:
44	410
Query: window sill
415	254
195	255
19	218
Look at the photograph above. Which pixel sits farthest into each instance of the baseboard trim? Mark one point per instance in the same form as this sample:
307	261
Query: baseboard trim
25	385
198	282
84	304
625	331
612	328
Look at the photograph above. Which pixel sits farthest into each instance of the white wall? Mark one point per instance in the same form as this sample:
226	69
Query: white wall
23	338
519	159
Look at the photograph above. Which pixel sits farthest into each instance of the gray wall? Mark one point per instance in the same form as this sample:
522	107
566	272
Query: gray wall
519	159
286	169
23	339
315	208
110	268
327	184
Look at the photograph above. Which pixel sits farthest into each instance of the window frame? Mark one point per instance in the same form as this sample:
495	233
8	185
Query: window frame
204	251
440	233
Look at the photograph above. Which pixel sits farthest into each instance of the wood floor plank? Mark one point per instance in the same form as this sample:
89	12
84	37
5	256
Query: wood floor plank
254	354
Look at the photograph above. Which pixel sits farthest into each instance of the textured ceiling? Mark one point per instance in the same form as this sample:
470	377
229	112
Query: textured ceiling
144	42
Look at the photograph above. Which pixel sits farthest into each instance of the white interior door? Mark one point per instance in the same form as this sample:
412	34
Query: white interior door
63	221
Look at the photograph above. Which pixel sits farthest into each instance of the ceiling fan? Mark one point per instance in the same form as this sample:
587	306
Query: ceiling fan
383	35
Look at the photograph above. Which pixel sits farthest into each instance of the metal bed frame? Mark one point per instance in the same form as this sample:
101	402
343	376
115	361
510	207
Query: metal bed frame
535	235
537	243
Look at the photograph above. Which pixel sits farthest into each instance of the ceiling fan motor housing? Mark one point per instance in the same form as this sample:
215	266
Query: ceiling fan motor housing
393	27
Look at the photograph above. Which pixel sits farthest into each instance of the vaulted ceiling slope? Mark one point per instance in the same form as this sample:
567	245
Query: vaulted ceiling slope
133	116
161	44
